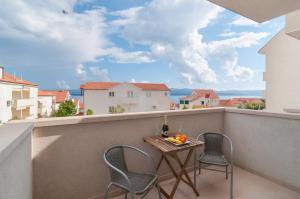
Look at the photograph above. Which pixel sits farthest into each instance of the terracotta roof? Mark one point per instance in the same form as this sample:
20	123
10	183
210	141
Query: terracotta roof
45	93
60	96
236	101
15	80
198	93
108	85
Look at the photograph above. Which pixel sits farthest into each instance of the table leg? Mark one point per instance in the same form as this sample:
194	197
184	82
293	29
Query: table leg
183	167
179	177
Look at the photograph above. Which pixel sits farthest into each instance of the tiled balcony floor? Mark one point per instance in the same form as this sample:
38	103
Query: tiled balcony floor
213	185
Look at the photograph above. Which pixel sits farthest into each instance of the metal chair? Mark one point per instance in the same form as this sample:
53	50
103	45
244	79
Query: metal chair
133	183
213	155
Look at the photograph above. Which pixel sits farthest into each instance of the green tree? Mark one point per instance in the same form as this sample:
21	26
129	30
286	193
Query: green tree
184	107
66	108
252	106
116	109
90	112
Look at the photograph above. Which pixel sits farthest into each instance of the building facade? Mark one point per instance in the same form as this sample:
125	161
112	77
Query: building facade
49	101
110	97
282	72
46	103
200	98
18	98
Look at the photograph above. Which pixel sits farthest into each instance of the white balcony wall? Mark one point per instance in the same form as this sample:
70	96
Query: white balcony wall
266	144
15	161
68	159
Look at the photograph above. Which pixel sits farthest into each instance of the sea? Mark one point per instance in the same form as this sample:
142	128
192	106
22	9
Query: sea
176	94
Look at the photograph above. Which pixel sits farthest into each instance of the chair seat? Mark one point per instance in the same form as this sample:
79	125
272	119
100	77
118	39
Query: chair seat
213	159
140	182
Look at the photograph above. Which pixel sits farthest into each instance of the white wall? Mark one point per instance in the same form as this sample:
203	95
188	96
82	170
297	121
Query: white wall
15	161
46	106
282	73
99	100
5	95
266	143
34	108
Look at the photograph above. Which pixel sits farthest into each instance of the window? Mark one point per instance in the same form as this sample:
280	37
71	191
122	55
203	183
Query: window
148	94
153	107
184	102
202	102
8	103
166	93
130	94
111	93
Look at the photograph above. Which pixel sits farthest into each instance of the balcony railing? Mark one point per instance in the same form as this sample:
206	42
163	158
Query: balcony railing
67	152
23	103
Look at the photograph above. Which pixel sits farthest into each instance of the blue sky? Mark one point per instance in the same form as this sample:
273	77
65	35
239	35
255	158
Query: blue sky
183	43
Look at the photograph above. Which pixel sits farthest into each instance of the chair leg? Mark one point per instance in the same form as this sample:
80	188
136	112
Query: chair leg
231	182
226	172
195	165
126	195
131	196
158	190
199	168
106	192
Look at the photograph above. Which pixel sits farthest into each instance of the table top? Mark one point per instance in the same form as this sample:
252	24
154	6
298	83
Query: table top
167	147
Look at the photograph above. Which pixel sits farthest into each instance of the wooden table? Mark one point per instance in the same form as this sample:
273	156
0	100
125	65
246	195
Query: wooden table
170	150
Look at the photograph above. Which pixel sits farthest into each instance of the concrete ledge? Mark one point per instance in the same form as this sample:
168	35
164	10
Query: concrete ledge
11	135
293	116
58	121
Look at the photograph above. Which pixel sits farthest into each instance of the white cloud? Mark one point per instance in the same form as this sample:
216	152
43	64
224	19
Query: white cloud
243	21
225	51
181	44
121	56
80	72
169	28
62	84
132	80
40	34
101	74
50	33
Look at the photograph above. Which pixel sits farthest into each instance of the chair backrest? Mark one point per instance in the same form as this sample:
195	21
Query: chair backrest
116	157
213	143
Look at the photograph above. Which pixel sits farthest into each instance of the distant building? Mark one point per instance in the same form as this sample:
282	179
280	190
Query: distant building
49	101
18	97
104	97
60	97
46	103
200	98
234	102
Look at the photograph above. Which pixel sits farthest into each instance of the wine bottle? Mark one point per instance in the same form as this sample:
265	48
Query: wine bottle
165	127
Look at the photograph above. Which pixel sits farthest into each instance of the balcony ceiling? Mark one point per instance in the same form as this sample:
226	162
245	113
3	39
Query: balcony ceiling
259	10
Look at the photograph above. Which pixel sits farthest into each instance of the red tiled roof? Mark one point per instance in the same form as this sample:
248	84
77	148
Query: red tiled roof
108	85
15	80
236	101
60	96
198	93
45	93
